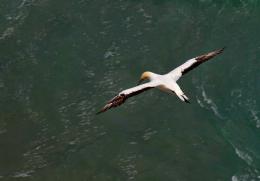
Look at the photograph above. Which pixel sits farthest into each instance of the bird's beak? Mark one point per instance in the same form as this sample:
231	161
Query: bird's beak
140	81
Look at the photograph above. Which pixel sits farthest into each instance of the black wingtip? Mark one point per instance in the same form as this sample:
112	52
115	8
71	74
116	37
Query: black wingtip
222	49
187	101
105	108
97	113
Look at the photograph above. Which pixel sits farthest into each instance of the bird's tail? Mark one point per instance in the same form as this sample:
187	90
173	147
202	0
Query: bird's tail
183	97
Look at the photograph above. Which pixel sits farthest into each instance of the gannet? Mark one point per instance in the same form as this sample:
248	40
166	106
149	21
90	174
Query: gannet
166	82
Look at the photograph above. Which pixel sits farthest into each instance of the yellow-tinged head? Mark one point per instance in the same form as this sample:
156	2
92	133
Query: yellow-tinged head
145	76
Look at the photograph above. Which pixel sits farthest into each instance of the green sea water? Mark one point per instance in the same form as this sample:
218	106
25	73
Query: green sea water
61	60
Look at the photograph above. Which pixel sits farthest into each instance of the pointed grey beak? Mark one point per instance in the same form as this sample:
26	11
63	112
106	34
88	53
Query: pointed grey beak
140	81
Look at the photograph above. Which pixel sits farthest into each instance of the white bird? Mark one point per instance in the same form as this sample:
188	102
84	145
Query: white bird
166	82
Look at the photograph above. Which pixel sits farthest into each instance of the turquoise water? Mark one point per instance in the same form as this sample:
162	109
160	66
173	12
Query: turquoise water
60	61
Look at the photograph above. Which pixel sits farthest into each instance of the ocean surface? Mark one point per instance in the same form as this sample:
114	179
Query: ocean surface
61	60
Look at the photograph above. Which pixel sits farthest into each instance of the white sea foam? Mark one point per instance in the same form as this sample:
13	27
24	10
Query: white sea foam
200	103
252	176
108	54
245	177
209	102
244	156
8	32
148	134
128	165
234	178
255	117
23	174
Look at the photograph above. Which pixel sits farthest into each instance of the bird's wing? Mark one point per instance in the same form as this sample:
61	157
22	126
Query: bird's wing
122	96
192	63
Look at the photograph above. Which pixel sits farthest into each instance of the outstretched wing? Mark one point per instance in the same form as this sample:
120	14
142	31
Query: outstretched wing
122	96
192	63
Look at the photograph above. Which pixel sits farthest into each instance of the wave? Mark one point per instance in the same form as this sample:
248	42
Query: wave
229	130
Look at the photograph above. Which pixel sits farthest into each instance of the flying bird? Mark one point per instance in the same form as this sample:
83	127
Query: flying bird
166	82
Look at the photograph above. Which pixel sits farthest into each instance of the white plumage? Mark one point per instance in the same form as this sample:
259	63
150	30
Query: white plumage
166	82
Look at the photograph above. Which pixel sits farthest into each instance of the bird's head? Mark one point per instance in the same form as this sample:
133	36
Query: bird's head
145	76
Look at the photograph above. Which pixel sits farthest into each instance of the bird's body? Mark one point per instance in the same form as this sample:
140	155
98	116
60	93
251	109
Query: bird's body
166	82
